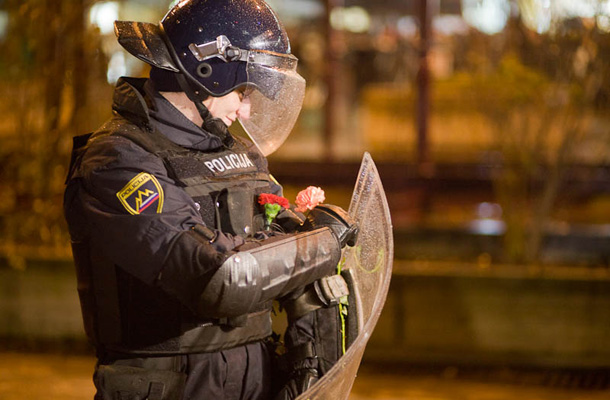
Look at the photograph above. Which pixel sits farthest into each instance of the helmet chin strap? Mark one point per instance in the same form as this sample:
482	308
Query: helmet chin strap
210	124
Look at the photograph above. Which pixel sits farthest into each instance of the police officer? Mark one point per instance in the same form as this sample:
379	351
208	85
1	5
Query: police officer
176	266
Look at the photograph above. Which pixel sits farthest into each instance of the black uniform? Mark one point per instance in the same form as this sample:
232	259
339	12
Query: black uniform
154	203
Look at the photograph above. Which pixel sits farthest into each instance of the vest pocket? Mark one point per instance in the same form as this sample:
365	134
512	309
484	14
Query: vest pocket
234	210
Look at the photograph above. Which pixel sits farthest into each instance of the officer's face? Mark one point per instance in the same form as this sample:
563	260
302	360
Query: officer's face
229	107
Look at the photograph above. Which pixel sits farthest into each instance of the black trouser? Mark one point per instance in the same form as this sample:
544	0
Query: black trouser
240	373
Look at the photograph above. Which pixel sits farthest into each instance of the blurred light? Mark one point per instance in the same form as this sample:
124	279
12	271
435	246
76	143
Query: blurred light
535	16
487	227
543	20
103	16
539	15
450	25
353	19
603	22
603	17
291	10
488	220
488	16
489	210
3	24
575	8
407	26
116	67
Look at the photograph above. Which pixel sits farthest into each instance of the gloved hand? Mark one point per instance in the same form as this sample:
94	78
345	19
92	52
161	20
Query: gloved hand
290	220
335	218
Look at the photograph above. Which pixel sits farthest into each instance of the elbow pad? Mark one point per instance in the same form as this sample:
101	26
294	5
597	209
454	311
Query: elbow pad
248	280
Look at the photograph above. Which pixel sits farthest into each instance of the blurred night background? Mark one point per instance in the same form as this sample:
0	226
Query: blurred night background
489	124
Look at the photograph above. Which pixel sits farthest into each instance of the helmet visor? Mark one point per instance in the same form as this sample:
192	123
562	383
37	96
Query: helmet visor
276	92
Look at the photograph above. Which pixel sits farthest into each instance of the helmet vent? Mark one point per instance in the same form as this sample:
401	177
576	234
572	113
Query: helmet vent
204	70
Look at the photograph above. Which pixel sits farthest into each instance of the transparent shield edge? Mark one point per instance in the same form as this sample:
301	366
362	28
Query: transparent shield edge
276	97
337	383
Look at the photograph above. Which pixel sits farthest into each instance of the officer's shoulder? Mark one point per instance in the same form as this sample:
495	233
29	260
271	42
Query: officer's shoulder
116	132
111	144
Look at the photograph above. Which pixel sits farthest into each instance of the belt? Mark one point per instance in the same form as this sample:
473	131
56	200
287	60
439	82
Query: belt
205	338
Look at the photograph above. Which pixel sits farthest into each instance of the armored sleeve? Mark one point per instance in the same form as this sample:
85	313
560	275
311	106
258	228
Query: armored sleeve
251	277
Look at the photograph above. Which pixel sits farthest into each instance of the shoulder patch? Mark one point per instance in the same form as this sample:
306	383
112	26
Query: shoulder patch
142	193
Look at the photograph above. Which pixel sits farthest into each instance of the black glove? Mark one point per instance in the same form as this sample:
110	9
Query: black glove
335	218
290	220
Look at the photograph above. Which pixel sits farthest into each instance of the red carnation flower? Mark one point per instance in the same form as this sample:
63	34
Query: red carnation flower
273	205
268	198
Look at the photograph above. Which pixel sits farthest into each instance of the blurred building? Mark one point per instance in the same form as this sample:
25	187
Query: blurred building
517	135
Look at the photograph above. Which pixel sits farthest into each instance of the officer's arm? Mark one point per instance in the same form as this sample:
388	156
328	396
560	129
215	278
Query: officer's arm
157	245
278	266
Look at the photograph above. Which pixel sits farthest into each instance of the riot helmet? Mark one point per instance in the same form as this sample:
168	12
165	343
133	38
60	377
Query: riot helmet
213	47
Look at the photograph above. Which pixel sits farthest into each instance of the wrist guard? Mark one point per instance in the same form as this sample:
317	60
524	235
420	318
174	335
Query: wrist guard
249	279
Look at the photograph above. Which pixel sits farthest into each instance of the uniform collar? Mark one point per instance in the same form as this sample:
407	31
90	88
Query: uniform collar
137	100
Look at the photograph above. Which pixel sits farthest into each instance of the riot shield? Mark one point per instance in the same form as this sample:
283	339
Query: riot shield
370	265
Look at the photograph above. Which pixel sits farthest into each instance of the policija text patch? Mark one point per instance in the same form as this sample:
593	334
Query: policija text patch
142	193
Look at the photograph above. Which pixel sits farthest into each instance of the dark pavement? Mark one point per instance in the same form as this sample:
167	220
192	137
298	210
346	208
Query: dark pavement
68	377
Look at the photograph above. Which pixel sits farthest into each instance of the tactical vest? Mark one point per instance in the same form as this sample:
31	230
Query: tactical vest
224	185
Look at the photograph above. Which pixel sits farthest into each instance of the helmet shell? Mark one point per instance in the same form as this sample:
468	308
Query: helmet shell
248	24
